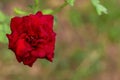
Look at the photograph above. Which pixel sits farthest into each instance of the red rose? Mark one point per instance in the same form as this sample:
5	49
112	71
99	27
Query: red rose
32	37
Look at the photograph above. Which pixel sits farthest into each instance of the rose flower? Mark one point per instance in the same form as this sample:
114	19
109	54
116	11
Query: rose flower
32	37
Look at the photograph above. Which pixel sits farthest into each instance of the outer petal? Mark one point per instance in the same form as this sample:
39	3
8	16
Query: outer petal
27	24
12	40
50	57
50	51
35	23
47	20
22	47
19	59
29	60
51	47
39	13
16	24
39	53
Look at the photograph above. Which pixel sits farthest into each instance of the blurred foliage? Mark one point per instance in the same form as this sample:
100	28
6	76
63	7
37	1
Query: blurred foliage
76	19
20	12
87	45
4	21
47	11
70	2
100	8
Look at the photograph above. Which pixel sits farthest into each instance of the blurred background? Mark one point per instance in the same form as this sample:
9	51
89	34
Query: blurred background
87	46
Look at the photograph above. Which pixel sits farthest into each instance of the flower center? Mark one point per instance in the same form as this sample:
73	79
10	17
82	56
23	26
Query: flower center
32	40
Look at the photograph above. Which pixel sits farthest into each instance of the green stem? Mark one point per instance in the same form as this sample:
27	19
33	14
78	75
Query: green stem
60	8
36	6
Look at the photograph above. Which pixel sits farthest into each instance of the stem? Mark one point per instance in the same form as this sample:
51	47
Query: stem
60	8
36	6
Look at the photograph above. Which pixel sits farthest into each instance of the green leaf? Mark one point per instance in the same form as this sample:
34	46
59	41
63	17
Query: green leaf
71	2
19	11
100	8
2	17
47	11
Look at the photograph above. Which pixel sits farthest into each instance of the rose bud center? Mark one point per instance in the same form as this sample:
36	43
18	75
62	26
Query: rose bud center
32	40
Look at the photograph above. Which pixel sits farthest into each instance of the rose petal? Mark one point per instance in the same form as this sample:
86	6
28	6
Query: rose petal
47	20
39	53
16	24
31	23
50	57
39	13
19	59
22	47
12	40
29	61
